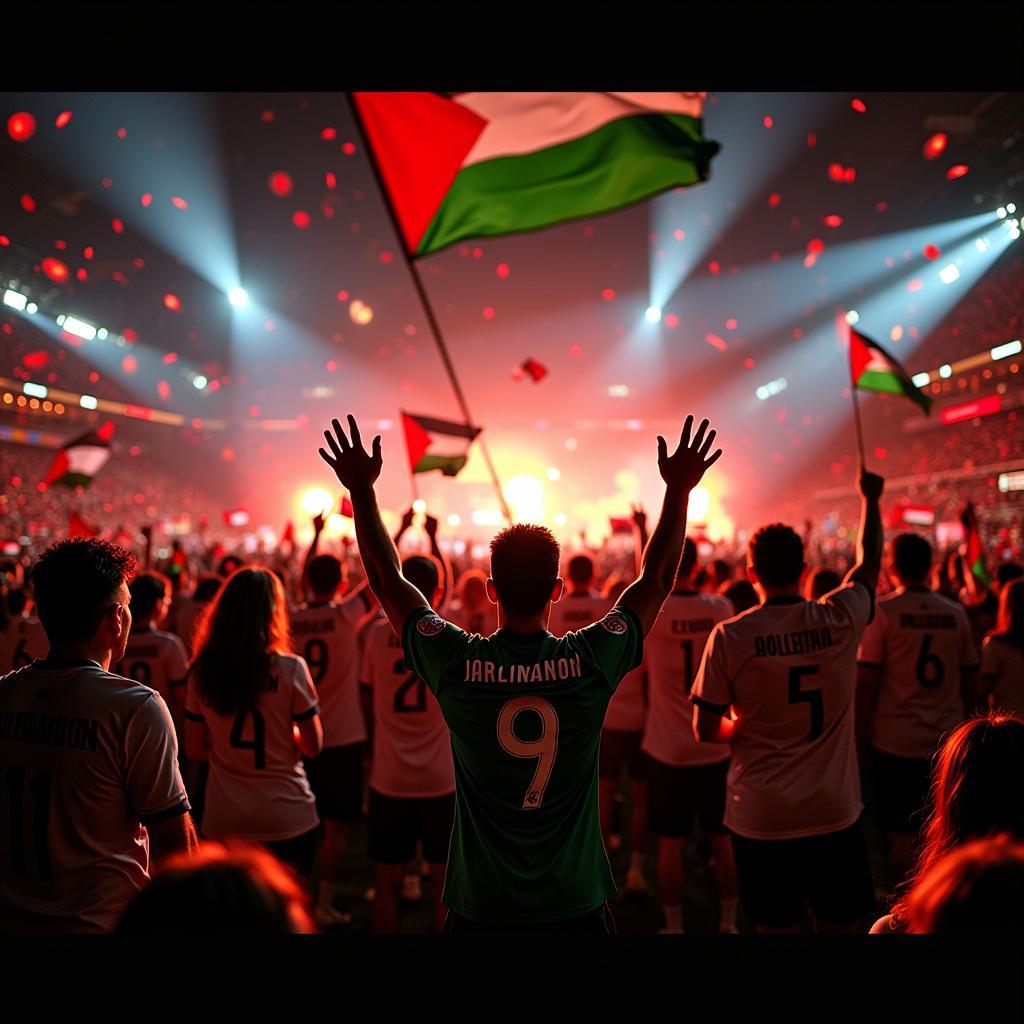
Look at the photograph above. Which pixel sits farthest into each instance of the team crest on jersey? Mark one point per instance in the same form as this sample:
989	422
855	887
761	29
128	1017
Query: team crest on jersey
614	623
430	625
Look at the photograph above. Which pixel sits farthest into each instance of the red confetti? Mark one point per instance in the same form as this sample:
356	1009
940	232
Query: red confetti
36	360
147	199
21	126
331	366
172	302
267	116
714	267
749	363
812	140
129	364
82	274
28	204
329	133
171	357
775	257
679	234
538	371
859	106
774	199
118	225
880	452
94	377
55	270
107	182
87	252
608	293
956	171
850	175
4	241
130	334
60	244
575	351
488	312
797	333
62	119
477	252
730	324
327	210
227	454
348	148
833	220
931	252
934	146
386	256
300	219
815	245
916	285
716	342
343	296
330	180
139	262
122	133
671	320
767	122
254	411
120	278
881	207
836	172
502	270
280	183
179	202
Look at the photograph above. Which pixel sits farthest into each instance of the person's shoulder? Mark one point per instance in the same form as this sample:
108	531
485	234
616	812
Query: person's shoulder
116	687
947	603
283	661
742	621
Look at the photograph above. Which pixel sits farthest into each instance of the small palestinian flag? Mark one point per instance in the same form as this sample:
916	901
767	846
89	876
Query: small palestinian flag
81	459
538	371
975	553
78	527
419	436
873	369
482	164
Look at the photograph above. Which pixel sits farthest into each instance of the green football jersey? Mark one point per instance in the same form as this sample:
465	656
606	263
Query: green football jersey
525	713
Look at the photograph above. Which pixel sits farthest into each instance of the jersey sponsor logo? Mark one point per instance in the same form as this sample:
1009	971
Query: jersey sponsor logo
430	625
614	623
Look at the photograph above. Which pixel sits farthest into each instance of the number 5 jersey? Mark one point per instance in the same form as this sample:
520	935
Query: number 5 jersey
788	670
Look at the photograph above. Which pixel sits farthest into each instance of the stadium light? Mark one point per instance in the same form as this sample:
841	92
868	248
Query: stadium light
103	334
419	506
15	299
653	314
852	317
1011	208
79	328
32	308
945	371
1001	212
199	382
920	379
316	501
238	296
1011	348
35	390
949	274
87	402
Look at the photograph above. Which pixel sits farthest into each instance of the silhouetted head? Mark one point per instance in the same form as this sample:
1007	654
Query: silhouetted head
775	557
741	594
910	558
471	589
821	582
424	573
325	574
151	597
524	569
581	571
1010	621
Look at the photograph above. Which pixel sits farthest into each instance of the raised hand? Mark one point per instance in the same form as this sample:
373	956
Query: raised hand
407	520
870	484
639	516
685	467
430	525
354	468
318	523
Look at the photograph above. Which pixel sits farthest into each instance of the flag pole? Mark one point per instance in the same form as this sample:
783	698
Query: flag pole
853	396
428	309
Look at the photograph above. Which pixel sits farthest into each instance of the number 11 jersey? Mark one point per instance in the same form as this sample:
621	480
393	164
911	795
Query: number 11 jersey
788	670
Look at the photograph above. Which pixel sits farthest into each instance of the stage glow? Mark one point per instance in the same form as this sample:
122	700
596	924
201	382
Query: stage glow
79	328
238	297
1011	348
487	517
618	391
525	497
981	245
360	313
556	474
561	519
316	501
419	506
653	314
454	520
15	299
697	507
199	382
949	273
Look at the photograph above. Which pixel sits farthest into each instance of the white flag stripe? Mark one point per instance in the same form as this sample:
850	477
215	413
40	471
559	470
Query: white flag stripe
87	459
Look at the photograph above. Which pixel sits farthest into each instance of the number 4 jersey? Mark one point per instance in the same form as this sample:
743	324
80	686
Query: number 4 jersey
788	670
923	644
525	713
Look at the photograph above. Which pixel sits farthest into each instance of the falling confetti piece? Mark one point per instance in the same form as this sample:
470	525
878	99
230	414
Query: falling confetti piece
267	116
118	225
934	146
538	371
348	148
931	252
774	199
36	360
55	270
608	293
21	126
301	219
671	320
833	220
329	133
859	106
4	241
254	411
714	267
812	140
60	244
749	363
478	253
679	234
815	245
172	302
916	285
62	119
956	171
881	207
730	324
330	180
120	278
502	270
767	122
716	342
343	296
880	452
836	172
130	335
129	364
488	312
575	351
82	274
170	357
280	183
850	175
28	203
798	333
87	252
386	256
227	454
107	182
179	202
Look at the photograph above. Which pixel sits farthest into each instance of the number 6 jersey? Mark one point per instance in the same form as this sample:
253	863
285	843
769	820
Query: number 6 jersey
525	713
788	670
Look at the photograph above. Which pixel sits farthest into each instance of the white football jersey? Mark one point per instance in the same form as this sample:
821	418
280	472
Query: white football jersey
921	641
788	670
627	709
257	787
185	618
673	651
574	611
86	759
326	636
1002	666
412	750
22	640
158	659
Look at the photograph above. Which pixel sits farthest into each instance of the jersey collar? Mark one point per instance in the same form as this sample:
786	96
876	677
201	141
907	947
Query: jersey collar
62	664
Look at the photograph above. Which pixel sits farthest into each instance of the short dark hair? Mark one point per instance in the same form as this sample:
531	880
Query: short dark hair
823	581
777	555
207	588
75	582
325	574
912	556
423	572
741	594
148	589
229	564
524	567
689	559
1008	572
581	569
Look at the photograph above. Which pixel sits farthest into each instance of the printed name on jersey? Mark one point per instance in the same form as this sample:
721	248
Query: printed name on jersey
430	625
613	622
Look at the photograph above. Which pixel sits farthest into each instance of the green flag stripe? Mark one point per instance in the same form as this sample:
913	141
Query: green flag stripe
620	163
450	465
891	383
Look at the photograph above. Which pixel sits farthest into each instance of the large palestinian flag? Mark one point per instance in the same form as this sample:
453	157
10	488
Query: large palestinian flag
420	434
873	369
480	164
81	459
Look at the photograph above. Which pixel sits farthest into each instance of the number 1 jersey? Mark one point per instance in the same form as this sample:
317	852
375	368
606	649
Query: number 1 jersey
788	670
525	713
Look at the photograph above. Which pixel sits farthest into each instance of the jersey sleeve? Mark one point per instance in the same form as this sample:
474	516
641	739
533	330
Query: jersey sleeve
177	662
615	644
305	701
852	602
151	763
193	712
431	644
968	649
872	644
712	689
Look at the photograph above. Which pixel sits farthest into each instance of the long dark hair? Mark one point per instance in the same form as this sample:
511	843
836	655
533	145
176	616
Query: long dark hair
236	634
976	791
1010	623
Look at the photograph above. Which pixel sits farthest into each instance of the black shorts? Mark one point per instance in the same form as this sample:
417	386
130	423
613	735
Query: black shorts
618	750
779	877
597	922
901	790
397	822
336	778
299	852
676	796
